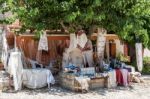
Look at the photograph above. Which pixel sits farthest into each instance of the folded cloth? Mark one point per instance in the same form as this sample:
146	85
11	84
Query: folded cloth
83	81
119	77
112	79
34	64
129	68
125	75
37	78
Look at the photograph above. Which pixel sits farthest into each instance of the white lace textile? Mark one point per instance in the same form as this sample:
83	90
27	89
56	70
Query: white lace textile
83	81
139	55
15	68
43	43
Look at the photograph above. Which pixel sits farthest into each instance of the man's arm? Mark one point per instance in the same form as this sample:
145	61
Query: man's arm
88	46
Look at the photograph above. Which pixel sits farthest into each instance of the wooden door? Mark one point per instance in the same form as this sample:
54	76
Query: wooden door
113	50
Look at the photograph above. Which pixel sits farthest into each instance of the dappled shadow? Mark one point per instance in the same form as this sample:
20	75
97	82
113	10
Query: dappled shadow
59	91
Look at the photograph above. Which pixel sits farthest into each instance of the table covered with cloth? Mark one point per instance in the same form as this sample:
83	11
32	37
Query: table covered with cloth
37	78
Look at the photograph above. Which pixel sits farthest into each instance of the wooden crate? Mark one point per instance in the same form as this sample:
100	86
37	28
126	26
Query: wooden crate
68	81
99	82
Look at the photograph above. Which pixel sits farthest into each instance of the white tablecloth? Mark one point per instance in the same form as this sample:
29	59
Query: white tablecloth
37	78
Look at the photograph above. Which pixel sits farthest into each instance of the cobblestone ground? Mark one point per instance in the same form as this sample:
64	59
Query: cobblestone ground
136	91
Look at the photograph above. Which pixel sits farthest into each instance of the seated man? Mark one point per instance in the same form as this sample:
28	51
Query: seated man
85	45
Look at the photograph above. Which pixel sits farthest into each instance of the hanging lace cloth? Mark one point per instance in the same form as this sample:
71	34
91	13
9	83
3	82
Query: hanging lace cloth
139	55
73	41
43	43
101	41
15	69
5	48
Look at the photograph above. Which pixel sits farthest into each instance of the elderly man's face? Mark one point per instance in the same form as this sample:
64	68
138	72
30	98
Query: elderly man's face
80	32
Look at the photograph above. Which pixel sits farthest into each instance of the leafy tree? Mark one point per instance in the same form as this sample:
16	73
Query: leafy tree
130	19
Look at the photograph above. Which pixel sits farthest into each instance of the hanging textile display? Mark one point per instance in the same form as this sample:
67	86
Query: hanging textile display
72	45
101	41
119	47
5	48
139	56
15	68
43	43
42	52
73	41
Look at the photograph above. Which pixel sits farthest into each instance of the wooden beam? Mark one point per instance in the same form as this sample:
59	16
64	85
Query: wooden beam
67	36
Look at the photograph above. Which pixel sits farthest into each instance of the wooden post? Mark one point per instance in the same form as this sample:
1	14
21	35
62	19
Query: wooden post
107	50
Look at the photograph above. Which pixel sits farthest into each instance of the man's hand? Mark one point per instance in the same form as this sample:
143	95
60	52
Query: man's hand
78	46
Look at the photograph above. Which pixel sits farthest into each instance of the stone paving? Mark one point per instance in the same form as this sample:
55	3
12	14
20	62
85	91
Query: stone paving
136	91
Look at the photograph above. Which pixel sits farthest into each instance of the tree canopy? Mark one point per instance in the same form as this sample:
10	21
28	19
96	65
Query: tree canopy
130	19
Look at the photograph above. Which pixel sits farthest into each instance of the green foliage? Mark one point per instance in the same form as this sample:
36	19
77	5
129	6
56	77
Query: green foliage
128	18
122	57
146	60
146	63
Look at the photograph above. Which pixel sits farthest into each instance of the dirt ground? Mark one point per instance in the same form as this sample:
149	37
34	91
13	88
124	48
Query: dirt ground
136	91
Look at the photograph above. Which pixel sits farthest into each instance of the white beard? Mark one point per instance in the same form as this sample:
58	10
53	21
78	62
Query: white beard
82	40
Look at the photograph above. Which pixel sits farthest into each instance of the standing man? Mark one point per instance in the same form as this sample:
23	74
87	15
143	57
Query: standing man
85	45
